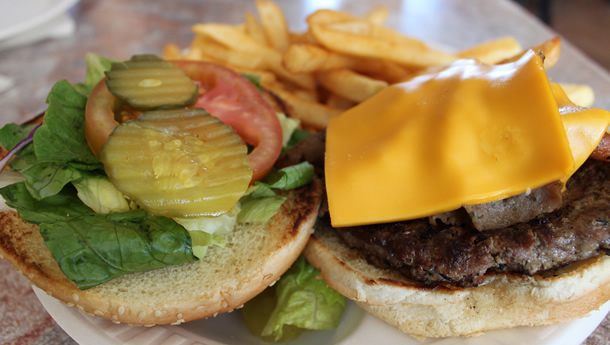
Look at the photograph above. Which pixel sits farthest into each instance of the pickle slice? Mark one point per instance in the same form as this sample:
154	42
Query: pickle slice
147	82
178	163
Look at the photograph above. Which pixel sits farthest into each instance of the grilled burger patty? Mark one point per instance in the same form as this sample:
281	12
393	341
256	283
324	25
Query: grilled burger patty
461	255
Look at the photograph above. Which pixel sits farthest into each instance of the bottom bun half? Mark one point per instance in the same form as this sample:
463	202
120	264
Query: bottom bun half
254	257
502	301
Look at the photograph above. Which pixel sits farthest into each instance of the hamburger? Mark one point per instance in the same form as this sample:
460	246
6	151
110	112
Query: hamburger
92	236
467	199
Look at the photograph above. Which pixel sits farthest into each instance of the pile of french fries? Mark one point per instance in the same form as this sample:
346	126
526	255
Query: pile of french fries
340	61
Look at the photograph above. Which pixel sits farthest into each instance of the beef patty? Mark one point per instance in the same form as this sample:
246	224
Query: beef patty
460	254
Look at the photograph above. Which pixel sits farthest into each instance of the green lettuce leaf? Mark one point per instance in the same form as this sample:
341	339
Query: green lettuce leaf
202	240
299	302
259	207
254	79
62	135
96	66
59	153
289	125
94	249
297	136
291	177
59	207
261	202
209	231
101	195
12	134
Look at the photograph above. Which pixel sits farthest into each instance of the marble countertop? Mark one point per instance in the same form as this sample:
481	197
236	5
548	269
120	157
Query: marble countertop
121	28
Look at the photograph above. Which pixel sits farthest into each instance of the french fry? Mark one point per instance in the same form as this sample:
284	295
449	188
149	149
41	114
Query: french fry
309	95
328	16
406	52
335	101
377	15
493	51
274	24
580	94
313	115
239	41
255	29
219	52
172	52
388	71
307	58
550	48
302	37
350	85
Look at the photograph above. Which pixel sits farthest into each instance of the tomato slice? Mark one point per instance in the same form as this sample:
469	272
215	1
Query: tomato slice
228	95
99	117
237	102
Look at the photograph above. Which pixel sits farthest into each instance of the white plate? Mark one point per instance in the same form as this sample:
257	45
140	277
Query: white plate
17	17
356	328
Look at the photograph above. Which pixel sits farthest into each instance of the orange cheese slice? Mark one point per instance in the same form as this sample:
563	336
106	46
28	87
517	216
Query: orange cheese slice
584	127
466	134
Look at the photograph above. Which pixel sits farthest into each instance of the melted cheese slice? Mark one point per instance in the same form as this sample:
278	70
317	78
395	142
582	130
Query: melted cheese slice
584	127
466	134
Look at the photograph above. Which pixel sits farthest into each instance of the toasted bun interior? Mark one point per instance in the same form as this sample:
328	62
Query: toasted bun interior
255	257
503	301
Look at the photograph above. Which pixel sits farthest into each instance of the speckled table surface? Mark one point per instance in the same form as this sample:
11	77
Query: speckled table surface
120	28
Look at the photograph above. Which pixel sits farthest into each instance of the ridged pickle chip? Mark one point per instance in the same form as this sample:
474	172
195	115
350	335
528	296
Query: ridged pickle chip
178	163
147	82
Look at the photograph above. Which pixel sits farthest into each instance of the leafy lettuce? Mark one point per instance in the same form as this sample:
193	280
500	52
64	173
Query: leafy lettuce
93	248
299	302
261	202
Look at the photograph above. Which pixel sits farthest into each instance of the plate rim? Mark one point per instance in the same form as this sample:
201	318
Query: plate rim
39	19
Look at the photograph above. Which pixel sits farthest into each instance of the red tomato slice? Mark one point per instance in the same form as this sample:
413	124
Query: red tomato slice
237	102
228	96
99	117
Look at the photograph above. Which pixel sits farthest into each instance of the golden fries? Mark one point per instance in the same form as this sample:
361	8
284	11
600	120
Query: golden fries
274	24
580	94
255	29
550	49
494	51
340	60
312	114
349	84
377	15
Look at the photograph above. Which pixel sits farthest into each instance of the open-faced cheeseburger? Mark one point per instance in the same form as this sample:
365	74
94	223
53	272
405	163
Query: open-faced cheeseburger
128	182
464	200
